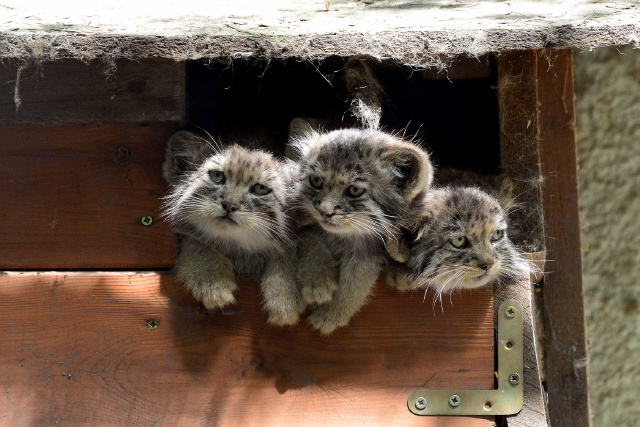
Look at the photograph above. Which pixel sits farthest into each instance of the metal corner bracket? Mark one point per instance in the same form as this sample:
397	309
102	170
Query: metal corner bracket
507	399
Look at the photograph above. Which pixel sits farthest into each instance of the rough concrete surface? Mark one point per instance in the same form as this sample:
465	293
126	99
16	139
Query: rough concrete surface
414	32
607	83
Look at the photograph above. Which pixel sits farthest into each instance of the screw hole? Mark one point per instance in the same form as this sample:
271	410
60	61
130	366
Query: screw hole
153	324
508	345
487	406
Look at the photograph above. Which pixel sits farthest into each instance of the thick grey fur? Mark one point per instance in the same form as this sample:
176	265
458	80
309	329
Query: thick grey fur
426	256
342	251
217	243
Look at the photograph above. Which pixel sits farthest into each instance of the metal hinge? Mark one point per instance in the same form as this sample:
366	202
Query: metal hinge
507	399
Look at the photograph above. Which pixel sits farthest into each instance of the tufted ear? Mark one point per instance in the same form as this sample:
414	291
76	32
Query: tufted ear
185	152
301	132
505	192
411	167
397	248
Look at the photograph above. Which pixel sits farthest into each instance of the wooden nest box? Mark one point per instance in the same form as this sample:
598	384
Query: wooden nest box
93	328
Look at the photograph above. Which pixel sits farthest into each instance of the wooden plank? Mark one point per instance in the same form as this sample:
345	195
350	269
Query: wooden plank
77	349
519	154
565	347
73	197
519	141
71	91
462	68
533	413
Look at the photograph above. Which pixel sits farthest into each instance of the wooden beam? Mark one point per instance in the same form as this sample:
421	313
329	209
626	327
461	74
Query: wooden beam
520	159
519	140
565	343
73	197
538	148
72	91
119	349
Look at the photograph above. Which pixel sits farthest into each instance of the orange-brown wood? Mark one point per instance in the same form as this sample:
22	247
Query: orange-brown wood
72	197
78	349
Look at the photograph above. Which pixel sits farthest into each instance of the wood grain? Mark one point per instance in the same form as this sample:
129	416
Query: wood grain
519	152
76	350
566	346
73	197
72	91
520	158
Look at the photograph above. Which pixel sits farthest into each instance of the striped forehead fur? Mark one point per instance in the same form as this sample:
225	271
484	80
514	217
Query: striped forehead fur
361	156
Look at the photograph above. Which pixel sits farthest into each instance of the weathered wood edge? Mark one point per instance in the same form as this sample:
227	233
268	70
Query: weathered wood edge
415	47
517	98
138	297
566	353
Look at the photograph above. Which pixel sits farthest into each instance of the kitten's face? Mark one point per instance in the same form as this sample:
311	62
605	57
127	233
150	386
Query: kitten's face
353	182
237	194
462	242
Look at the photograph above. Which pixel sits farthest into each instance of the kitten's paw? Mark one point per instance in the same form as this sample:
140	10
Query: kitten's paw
284	310
219	295
326	321
318	293
283	318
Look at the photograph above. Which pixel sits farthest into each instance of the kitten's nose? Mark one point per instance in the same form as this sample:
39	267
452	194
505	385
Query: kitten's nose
327	214
229	207
485	265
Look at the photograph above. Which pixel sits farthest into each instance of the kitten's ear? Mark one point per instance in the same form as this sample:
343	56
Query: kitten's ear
301	131
412	168
185	152
397	248
505	192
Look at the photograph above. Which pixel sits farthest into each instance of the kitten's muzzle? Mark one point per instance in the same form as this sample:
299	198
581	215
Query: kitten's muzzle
486	265
229	207
326	214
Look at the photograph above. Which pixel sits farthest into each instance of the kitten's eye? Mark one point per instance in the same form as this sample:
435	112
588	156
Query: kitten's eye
217	177
459	242
355	191
497	235
261	189
315	181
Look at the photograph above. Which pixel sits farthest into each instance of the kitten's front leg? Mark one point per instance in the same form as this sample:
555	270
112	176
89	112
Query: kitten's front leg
399	276
207	273
315	270
282	298
357	277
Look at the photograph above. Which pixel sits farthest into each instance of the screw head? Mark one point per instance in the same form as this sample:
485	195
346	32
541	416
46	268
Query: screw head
122	155
510	312
421	403
454	400
514	379
146	220
153	324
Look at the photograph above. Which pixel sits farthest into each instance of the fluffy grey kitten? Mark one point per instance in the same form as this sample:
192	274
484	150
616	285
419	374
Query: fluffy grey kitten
458	240
230	208
355	185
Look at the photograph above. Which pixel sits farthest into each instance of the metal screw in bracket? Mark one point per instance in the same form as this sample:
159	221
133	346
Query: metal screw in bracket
514	379
146	220
421	403
454	400
510	312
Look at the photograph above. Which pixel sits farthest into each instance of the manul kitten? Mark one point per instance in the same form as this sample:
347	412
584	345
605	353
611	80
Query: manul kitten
229	206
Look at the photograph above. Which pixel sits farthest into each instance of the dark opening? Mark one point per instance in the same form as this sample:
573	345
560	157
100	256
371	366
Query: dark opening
253	102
